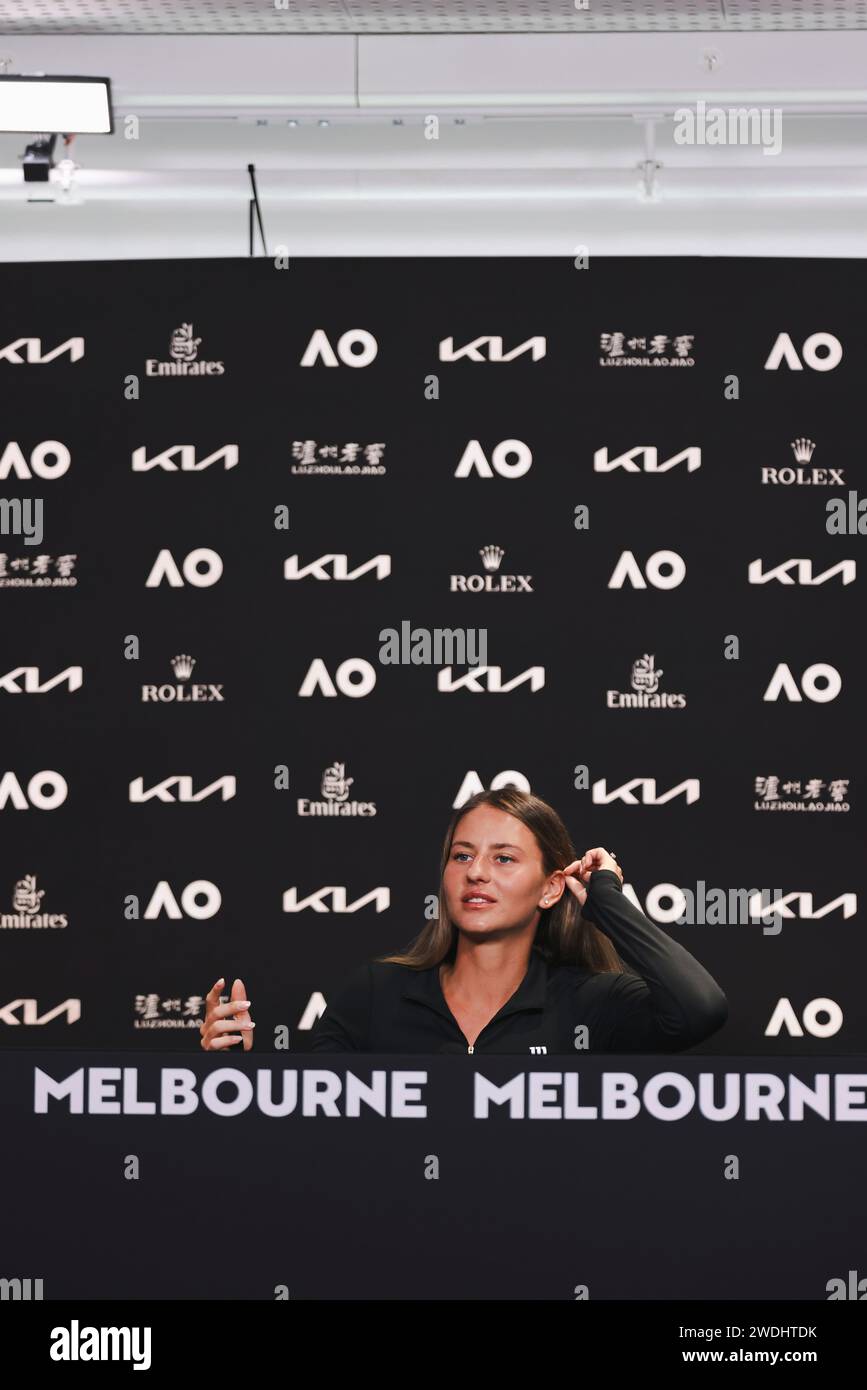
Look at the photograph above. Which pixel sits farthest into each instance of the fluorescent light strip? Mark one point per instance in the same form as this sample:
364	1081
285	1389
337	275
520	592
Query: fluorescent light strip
61	105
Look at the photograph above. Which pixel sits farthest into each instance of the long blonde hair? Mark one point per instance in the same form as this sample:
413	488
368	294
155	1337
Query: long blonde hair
563	935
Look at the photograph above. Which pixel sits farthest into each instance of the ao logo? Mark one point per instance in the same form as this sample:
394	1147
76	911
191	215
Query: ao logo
318	679
474	460
665	902
472	783
784	1016
314	1010
783	680
10	791
164	900
48	460
784	351
627	569
166	568
320	347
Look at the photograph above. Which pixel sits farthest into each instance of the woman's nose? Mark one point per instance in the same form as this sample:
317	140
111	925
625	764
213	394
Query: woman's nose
478	869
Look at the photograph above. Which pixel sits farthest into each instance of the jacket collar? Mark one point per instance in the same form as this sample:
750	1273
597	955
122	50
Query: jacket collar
424	986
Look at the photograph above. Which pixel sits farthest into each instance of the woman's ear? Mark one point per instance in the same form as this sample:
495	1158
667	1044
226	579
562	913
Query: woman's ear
554	889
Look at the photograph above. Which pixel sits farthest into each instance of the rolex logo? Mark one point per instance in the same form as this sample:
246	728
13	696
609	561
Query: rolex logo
491	582
802	475
185	692
183	666
803	449
492	556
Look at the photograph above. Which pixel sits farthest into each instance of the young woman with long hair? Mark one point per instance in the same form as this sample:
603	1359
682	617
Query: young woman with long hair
533	950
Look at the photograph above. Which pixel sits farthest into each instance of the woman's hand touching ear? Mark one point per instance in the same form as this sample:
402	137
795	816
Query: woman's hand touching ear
580	869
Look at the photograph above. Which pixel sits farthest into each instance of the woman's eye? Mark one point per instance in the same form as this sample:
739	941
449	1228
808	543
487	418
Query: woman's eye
463	854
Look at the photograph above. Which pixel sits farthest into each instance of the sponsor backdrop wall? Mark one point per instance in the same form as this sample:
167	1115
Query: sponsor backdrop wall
221	481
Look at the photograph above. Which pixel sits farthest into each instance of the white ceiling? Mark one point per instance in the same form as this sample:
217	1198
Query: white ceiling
422	16
541	138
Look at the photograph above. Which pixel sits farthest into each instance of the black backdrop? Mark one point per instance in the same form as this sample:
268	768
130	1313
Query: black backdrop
407	745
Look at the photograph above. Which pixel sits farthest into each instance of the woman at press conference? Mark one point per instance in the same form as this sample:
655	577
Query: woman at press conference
532	950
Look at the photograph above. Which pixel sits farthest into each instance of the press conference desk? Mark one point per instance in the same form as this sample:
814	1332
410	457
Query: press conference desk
426	1177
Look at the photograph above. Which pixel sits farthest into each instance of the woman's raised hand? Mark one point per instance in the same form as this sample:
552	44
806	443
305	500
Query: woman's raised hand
589	862
226	1024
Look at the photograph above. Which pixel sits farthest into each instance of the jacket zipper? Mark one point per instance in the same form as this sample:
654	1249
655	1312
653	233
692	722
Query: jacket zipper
471	1047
